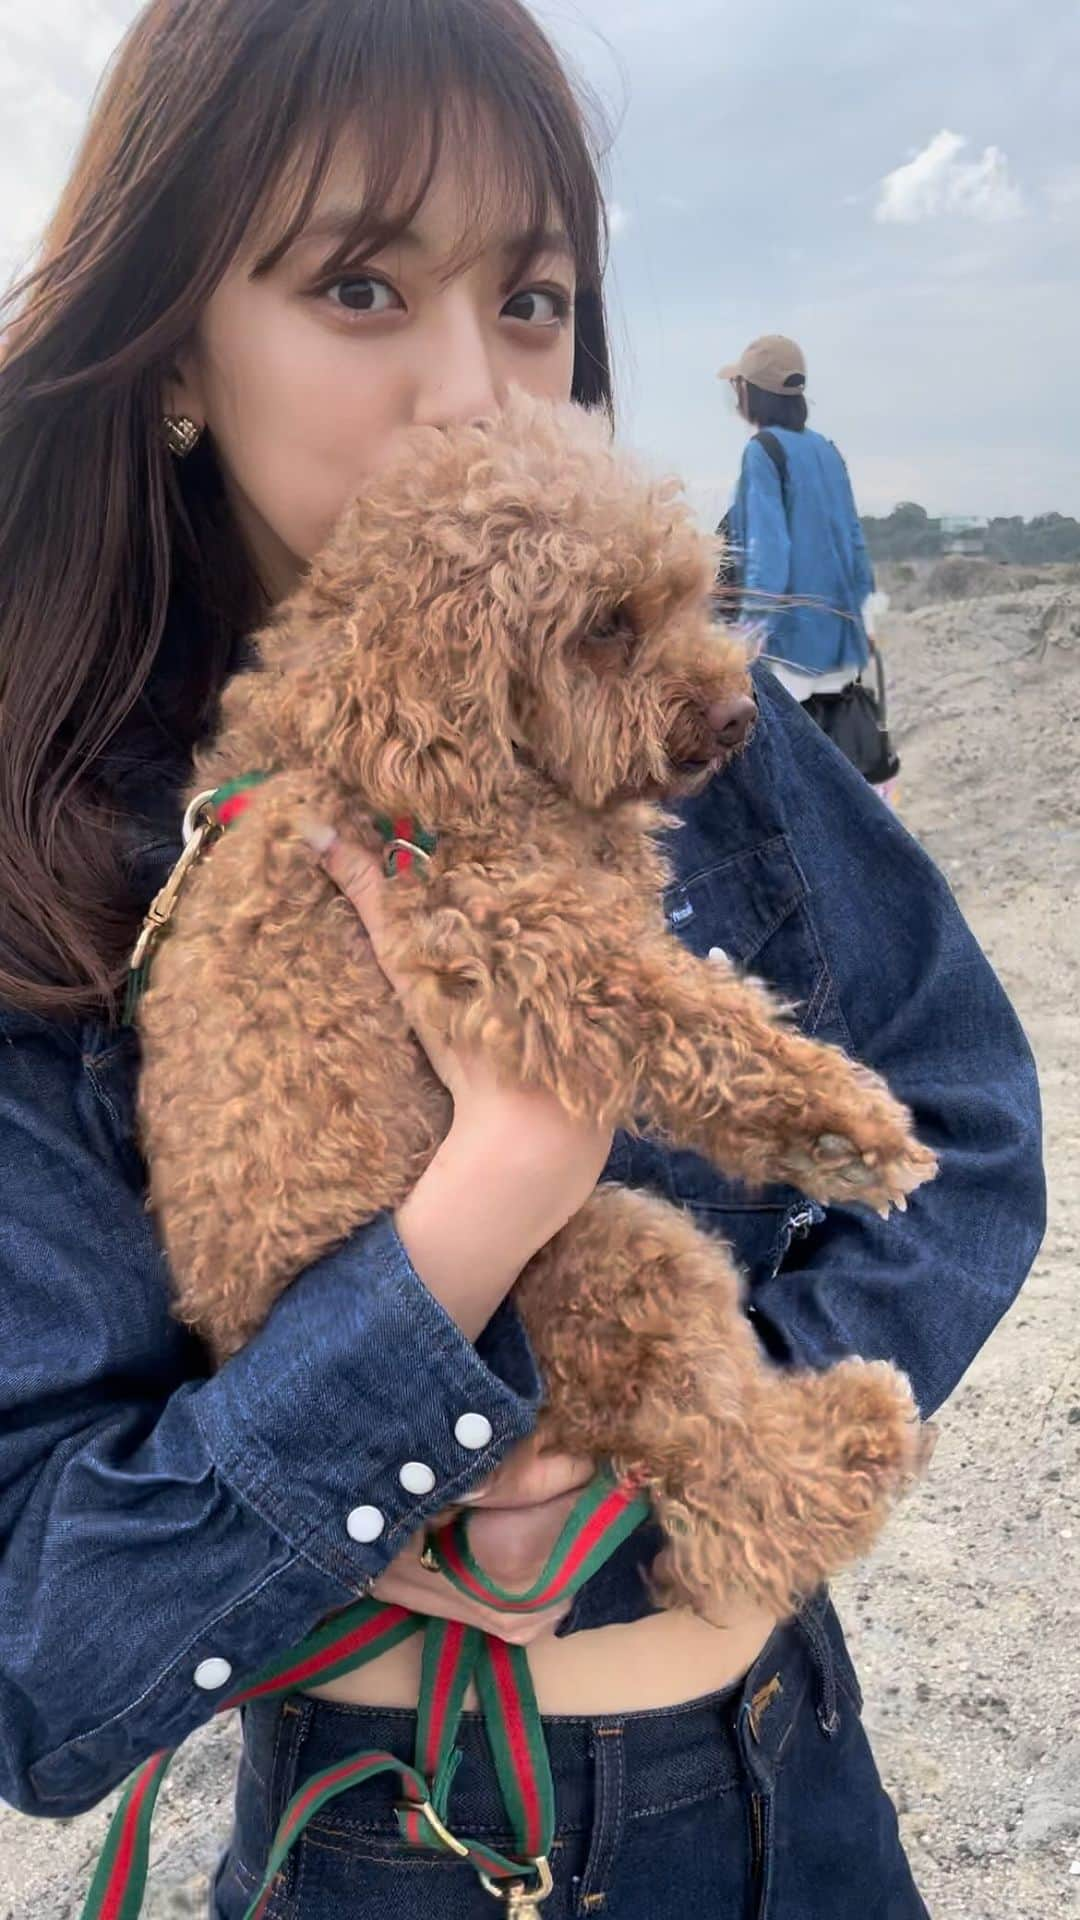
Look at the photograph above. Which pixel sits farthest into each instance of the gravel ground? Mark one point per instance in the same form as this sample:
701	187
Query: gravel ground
966	1625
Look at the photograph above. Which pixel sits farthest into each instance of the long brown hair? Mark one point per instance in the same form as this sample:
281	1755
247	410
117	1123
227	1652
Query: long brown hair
100	530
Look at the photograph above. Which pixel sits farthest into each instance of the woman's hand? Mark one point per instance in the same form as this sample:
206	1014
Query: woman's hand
514	1167
575	1148
514	1521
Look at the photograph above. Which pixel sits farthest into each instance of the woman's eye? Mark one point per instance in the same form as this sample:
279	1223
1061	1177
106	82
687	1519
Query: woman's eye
361	294
548	306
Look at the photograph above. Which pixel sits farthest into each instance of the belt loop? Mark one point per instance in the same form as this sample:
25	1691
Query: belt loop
609	1804
292	1725
756	1734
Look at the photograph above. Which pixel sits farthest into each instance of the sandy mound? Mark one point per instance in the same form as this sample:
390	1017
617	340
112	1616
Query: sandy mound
966	1626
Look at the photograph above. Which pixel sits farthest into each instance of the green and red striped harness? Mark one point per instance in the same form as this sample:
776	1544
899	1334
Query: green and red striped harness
454	1657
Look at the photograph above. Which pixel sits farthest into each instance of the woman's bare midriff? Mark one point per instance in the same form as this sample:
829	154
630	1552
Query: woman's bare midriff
661	1661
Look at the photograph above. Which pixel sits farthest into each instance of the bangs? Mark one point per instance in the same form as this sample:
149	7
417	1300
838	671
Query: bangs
408	84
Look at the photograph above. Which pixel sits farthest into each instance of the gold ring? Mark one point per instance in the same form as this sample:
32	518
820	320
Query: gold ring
402	846
191	817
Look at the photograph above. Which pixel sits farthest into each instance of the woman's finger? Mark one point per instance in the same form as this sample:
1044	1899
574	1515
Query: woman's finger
531	1477
408	1584
359	876
514	1544
357	872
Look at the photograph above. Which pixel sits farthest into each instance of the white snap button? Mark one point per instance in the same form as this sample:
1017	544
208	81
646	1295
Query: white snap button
365	1524
211	1674
717	953
473	1432
416	1478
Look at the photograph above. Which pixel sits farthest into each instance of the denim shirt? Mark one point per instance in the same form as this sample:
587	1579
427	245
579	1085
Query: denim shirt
802	538
155	1518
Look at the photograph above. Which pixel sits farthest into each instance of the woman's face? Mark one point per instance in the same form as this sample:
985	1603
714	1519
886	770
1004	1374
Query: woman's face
307	387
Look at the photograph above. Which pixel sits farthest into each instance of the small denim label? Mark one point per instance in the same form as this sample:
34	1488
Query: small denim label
679	916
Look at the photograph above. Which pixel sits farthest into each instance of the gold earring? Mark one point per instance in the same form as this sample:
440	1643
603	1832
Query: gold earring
182	434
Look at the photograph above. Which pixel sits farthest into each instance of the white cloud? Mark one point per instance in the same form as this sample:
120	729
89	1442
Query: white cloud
938	181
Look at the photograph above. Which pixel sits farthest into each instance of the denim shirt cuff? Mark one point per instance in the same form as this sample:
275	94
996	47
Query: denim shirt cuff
360	1409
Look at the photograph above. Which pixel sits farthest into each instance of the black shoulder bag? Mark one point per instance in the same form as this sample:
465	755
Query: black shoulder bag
855	720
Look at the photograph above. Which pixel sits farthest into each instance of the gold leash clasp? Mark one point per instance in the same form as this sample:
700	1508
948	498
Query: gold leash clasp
200	827
522	1902
438	1827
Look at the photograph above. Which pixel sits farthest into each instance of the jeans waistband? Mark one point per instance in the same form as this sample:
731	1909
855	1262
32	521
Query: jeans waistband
668	1757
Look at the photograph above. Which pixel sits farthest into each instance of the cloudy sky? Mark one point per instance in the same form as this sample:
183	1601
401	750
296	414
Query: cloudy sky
896	184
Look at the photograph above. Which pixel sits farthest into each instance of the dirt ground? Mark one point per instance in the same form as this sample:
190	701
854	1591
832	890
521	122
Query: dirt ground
966	1626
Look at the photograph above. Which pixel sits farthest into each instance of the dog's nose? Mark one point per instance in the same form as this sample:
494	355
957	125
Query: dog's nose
731	720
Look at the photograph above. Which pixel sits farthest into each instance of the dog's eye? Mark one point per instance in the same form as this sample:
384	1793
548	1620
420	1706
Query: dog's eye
613	626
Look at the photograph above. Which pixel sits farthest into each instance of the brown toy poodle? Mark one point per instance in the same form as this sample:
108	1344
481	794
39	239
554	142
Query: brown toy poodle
508	640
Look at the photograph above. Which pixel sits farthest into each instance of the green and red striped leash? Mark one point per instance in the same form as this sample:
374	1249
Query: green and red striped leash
454	1656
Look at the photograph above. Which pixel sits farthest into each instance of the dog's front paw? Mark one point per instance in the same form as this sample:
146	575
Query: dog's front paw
836	1171
860	1149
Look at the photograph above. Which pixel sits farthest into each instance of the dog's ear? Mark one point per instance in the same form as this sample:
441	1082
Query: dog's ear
402	697
435	729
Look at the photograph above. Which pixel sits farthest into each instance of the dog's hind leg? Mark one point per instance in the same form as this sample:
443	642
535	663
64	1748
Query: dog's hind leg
767	1481
635	1319
825	1457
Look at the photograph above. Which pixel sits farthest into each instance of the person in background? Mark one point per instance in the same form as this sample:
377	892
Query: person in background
799	574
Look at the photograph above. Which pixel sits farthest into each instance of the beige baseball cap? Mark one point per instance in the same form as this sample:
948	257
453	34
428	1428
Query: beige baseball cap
774	363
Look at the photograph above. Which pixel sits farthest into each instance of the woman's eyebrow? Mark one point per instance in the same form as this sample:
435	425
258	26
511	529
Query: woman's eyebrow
336	222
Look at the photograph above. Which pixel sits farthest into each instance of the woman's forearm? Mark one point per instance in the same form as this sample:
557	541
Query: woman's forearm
490	1199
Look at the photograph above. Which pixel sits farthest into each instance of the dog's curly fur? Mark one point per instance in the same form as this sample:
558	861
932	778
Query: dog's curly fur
508	639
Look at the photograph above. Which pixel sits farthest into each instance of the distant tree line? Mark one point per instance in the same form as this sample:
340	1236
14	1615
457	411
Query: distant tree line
908	533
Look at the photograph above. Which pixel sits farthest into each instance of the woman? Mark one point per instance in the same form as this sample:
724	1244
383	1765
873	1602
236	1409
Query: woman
297	228
804	575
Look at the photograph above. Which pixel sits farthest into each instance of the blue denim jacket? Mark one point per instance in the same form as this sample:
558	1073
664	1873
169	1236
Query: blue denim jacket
154	1518
802	538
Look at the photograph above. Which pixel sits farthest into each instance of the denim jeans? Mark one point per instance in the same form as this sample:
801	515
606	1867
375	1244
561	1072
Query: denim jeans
759	1803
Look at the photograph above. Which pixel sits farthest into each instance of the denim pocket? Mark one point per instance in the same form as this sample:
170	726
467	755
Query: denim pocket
342	1875
736	905
835	1852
